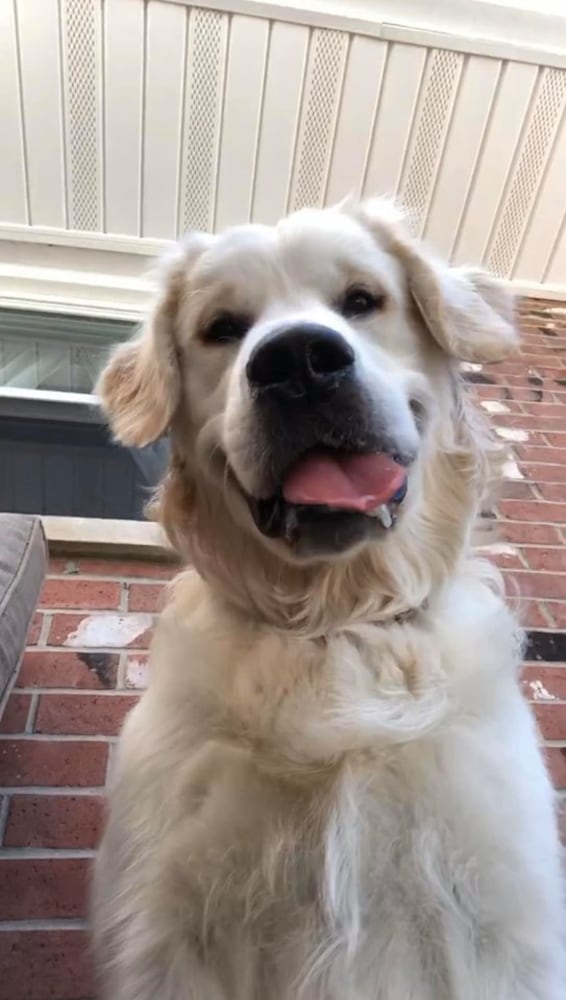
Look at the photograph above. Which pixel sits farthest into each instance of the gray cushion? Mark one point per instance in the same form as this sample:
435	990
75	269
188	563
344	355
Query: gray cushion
23	561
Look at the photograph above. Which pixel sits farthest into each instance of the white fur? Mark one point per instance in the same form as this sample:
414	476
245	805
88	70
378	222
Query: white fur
313	801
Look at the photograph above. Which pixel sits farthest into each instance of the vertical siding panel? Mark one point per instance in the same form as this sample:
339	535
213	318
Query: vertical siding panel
13	196
82	104
27	480
503	132
241	118
163	109
432	122
123	69
38	22
537	141
362	84
397	103
321	100
555	273
544	219
455	170
204	86
281	109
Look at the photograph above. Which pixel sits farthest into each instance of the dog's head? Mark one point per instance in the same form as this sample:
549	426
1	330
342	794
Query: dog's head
306	374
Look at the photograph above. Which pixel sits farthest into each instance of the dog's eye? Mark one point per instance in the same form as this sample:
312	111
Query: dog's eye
360	302
226	329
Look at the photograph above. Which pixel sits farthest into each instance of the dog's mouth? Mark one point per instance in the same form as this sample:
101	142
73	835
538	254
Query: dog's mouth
330	499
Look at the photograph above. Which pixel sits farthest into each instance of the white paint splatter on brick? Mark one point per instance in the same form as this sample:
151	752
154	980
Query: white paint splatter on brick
512	434
470	366
494	406
109	630
136	673
511	470
539	692
499	549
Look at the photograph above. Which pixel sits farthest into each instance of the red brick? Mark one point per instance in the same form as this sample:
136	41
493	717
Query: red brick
63	626
54	821
15	714
146	597
551	720
62	565
556	763
91	595
540	585
52	763
47	668
535	341
490	392
546	474
517	368
545	410
529	613
555	492
520	533
552	560
130	568
43	888
529	395
538	453
83	714
544	684
549	371
557	440
557	612
546	364
525	510
35	629
506	560
45	965
516	489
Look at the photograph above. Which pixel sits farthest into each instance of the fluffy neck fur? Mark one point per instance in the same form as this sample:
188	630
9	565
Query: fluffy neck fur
381	581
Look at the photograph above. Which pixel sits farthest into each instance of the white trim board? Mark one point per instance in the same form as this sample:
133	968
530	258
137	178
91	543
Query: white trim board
117	296
474	26
47	404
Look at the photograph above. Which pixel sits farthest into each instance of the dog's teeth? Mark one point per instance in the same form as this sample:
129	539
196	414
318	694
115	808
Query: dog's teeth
385	516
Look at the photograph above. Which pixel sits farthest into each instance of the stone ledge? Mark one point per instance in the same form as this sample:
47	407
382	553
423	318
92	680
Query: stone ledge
105	536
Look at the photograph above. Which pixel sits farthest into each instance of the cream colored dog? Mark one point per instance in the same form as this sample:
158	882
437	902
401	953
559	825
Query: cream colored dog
332	788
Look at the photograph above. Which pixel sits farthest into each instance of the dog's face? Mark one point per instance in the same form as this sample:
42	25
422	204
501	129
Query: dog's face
300	368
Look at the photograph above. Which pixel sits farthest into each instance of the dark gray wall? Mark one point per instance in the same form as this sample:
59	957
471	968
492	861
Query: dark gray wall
73	469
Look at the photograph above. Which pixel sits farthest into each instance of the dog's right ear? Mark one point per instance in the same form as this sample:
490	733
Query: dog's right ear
140	387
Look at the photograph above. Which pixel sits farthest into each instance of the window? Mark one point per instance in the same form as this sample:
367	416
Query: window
56	454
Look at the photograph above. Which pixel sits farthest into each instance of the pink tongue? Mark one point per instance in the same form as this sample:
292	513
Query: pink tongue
353	482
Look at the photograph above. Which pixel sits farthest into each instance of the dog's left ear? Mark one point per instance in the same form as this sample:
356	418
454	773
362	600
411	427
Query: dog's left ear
140	387
469	313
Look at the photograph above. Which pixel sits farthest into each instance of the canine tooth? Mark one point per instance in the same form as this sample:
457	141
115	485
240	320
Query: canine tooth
384	516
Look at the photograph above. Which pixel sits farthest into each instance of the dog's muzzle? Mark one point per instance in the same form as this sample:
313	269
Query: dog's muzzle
332	475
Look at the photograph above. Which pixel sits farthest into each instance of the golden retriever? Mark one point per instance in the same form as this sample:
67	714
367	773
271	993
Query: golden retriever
332	788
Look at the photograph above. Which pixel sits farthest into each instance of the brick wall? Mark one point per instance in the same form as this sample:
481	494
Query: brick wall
86	661
81	673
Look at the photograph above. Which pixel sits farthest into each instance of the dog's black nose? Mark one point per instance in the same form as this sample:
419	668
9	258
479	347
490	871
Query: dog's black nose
300	361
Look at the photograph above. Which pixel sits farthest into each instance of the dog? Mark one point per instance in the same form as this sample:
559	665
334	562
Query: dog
332	788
